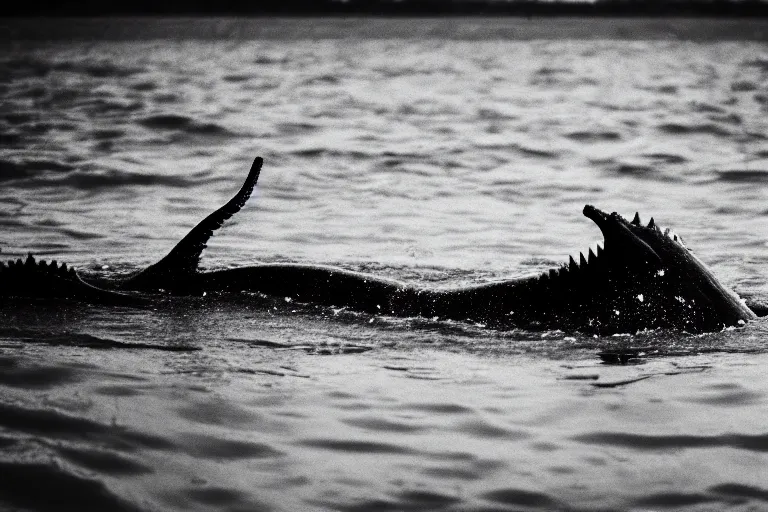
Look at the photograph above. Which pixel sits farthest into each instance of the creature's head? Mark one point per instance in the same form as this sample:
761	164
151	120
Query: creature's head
665	284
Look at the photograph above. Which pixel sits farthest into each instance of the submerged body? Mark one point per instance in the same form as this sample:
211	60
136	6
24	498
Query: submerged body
642	279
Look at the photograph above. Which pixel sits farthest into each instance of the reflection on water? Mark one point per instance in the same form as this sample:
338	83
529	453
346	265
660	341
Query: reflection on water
427	159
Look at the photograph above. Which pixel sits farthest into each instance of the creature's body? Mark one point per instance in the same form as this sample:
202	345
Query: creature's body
642	279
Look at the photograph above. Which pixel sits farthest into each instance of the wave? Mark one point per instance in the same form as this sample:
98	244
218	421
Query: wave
730	493
10	138
214	448
41	172
743	175
52	424
760	63
740	491
404	500
30	168
676	128
707	108
744	86
113	178
594	136
672	499
755	443
183	123
666	158
352	446
523	498
83	340
634	170
316	152
60	486
36	67
103	461
35	377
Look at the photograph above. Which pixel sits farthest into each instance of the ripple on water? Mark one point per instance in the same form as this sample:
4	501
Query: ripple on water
52	424
38	377
482	429
672	499
107	178
60	487
743	86
384	425
222	413
184	124
10	138
31	168
728	395
103	461
692	128
405	500
355	446
740	491
756	443
435	408
462	468
84	340
743	175
218	448
594	136
100	69
523	498
666	158
224	498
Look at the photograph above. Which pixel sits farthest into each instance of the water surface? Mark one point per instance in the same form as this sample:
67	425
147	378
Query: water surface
432	159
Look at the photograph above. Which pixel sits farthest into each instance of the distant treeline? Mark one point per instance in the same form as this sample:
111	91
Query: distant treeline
708	8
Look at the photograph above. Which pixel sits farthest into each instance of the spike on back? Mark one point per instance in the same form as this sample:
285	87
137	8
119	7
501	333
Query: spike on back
32	265
636	219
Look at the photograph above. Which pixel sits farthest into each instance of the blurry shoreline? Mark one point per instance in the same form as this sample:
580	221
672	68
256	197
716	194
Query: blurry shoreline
401	8
381	27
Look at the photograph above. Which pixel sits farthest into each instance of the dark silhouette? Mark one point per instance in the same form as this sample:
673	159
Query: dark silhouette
643	279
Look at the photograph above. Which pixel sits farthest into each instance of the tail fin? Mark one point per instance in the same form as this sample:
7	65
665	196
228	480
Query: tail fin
185	257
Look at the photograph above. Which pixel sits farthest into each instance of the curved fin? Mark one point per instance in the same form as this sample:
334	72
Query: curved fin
185	256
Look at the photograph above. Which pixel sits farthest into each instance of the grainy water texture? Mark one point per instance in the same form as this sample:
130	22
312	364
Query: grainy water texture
426	157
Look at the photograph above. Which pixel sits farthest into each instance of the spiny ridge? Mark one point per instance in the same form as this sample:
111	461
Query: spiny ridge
30	264
572	267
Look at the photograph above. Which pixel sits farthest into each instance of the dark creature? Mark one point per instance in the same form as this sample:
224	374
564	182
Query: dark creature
642	278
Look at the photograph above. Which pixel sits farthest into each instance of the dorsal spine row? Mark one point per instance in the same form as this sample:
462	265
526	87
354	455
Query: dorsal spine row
33	266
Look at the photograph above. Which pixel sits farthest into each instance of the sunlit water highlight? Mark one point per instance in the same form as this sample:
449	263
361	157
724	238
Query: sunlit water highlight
429	159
